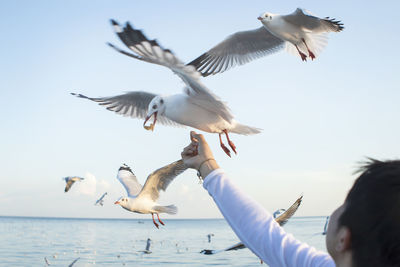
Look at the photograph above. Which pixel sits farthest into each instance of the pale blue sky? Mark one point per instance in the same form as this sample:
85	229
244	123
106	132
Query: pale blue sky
319	118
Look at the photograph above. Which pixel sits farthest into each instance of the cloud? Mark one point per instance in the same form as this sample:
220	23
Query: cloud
91	186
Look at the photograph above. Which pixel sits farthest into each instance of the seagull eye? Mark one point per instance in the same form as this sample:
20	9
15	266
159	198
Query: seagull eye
154	106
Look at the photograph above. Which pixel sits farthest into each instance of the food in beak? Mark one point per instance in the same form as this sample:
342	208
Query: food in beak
151	126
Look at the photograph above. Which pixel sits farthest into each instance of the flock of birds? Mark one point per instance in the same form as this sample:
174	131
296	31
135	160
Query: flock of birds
197	106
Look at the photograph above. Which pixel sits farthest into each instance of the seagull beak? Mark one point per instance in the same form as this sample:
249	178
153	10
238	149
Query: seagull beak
116	202
151	126
260	18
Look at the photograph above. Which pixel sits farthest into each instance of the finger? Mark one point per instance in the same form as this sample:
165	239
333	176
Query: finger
199	137
192	137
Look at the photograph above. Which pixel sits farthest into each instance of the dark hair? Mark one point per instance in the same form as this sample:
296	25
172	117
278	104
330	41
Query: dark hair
372	213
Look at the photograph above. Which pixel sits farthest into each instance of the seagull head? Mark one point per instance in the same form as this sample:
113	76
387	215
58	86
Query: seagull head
122	201
156	106
266	17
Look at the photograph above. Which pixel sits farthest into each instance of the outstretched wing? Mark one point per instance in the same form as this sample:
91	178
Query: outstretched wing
129	181
237	49
161	178
305	20
150	51
68	185
284	217
132	104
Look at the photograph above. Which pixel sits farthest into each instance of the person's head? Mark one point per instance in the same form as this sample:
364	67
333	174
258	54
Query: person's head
367	225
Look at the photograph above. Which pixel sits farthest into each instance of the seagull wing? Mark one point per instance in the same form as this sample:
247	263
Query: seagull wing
150	51
129	181
237	49
161	178
132	104
284	217
305	20
69	183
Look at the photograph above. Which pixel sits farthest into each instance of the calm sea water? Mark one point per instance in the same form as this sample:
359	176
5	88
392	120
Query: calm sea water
26	241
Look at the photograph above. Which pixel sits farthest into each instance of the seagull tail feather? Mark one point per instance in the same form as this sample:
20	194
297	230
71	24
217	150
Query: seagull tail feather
244	129
171	209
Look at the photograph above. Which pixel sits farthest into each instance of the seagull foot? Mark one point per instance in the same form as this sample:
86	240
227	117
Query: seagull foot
160	220
232	145
226	150
156	224
311	55
303	56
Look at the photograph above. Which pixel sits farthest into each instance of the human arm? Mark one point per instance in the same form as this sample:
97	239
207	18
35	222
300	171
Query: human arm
254	226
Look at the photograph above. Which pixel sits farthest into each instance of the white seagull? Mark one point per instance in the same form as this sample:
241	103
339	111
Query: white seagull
196	107
70	180
300	32
144	199
100	201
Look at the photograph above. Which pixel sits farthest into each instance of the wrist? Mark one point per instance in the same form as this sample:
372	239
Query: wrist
207	167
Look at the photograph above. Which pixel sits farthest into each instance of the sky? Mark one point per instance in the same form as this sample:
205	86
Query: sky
319	119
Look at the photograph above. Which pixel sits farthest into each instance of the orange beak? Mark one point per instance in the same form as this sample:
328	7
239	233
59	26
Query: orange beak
151	126
116	202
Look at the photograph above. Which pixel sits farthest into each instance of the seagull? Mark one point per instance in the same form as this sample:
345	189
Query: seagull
70	180
101	200
147	249
209	237
144	199
72	263
281	220
298	32
196	107
326	225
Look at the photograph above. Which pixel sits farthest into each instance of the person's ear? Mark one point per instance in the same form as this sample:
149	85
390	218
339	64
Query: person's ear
343	239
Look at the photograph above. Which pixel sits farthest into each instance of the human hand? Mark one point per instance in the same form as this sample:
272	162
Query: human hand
198	155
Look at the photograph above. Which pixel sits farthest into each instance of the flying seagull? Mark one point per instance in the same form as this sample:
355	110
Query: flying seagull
70	180
196	107
282	220
300	32
144	199
100	201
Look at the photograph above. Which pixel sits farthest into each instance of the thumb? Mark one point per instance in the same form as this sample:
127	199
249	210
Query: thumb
196	138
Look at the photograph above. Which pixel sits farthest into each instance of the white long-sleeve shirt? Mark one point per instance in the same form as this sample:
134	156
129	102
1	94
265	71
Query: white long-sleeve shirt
257	229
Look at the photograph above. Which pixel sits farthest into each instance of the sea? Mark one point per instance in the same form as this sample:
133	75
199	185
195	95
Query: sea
36	241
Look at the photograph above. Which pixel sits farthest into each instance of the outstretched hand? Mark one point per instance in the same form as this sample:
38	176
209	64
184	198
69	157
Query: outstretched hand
198	155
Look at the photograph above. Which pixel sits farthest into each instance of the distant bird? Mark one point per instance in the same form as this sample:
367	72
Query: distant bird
144	199
147	249
326	226
196	107
46	261
282	220
72	263
70	180
209	237
100	201
300	32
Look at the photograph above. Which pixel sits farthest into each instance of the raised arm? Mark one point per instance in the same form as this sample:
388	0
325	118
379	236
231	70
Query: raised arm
254	226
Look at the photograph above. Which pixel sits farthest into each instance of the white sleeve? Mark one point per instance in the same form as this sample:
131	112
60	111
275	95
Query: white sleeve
257	229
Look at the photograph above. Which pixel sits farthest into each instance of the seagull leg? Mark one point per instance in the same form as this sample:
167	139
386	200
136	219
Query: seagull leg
156	224
231	144
226	150
311	54
303	56
159	219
